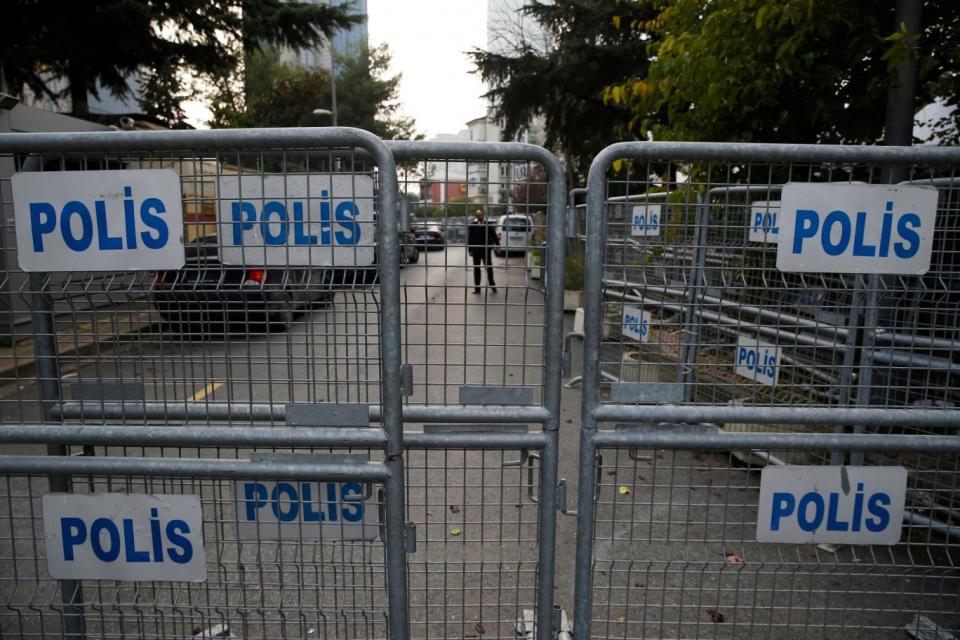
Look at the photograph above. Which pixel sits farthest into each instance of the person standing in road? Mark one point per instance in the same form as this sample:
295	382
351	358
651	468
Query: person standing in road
481	239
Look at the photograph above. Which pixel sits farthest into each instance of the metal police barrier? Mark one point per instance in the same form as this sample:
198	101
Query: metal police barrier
482	344
769	411
198	289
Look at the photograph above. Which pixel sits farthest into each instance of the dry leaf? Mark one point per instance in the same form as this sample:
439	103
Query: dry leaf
714	615
455	532
454	509
612	472
480	628
734	558
624	491
429	514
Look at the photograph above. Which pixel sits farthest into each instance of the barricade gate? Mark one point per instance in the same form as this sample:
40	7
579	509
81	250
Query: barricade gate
262	387
769	411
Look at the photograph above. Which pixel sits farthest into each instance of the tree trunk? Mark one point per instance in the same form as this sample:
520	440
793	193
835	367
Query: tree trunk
79	83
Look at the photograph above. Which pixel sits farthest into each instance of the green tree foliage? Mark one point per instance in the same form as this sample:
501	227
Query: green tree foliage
283	95
94	45
784	70
594	44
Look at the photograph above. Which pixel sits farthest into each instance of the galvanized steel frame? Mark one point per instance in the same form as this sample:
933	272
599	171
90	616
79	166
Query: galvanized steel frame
390	416
593	412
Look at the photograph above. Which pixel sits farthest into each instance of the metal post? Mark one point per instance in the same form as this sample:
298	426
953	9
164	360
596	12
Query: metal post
587	476
48	375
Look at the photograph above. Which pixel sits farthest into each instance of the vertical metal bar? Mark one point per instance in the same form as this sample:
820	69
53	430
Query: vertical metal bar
586	487
391	393
690	332
553	356
48	375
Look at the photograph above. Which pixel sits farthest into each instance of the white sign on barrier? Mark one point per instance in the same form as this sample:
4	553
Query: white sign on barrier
856	228
757	360
296	219
763	221
302	509
636	324
119	536
645	220
125	220
835	504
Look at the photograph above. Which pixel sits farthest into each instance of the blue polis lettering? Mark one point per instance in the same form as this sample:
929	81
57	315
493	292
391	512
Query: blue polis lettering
290	502
808	226
812	511
44	220
107	540
274	223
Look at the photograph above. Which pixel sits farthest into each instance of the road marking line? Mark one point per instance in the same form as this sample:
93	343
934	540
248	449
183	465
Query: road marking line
203	393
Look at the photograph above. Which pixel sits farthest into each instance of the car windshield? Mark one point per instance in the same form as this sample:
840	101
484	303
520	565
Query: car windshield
517	224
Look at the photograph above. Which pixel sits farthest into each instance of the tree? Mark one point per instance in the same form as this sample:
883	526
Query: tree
565	82
784	70
279	95
164	44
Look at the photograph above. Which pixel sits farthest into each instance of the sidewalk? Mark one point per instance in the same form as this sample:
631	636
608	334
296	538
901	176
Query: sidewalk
19	360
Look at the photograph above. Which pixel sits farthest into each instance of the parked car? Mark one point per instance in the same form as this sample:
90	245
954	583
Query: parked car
206	296
430	237
514	232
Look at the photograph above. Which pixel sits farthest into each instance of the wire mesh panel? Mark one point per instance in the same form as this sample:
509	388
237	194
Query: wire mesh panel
702	332
676	556
253	316
474	297
259	582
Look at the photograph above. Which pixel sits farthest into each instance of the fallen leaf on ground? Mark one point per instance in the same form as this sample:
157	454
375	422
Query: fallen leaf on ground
624	491
455	532
734	558
454	509
429	514
714	615
612	472
480	628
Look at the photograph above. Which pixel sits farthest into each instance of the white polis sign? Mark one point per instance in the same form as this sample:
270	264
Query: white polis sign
296	219
636	324
856	228
99	220
764	216
119	536
757	360
840	505
645	220
301	509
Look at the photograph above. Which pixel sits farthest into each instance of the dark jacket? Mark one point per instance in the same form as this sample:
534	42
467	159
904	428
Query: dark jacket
481	236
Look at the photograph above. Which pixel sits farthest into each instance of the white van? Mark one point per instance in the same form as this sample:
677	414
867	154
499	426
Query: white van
514	232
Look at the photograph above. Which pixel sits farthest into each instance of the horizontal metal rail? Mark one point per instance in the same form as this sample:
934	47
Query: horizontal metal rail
878	417
53	465
280	436
132	410
193	435
708	438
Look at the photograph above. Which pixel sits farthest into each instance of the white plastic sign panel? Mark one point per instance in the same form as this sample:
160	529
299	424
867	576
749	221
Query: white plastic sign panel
856	228
757	360
645	220
296	219
119	536
764	215
99	220
636	324
840	505
301	509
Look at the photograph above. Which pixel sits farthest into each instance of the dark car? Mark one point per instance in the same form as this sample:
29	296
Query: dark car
430	237
206	296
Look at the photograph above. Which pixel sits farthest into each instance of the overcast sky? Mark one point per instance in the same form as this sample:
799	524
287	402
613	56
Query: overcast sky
428	40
